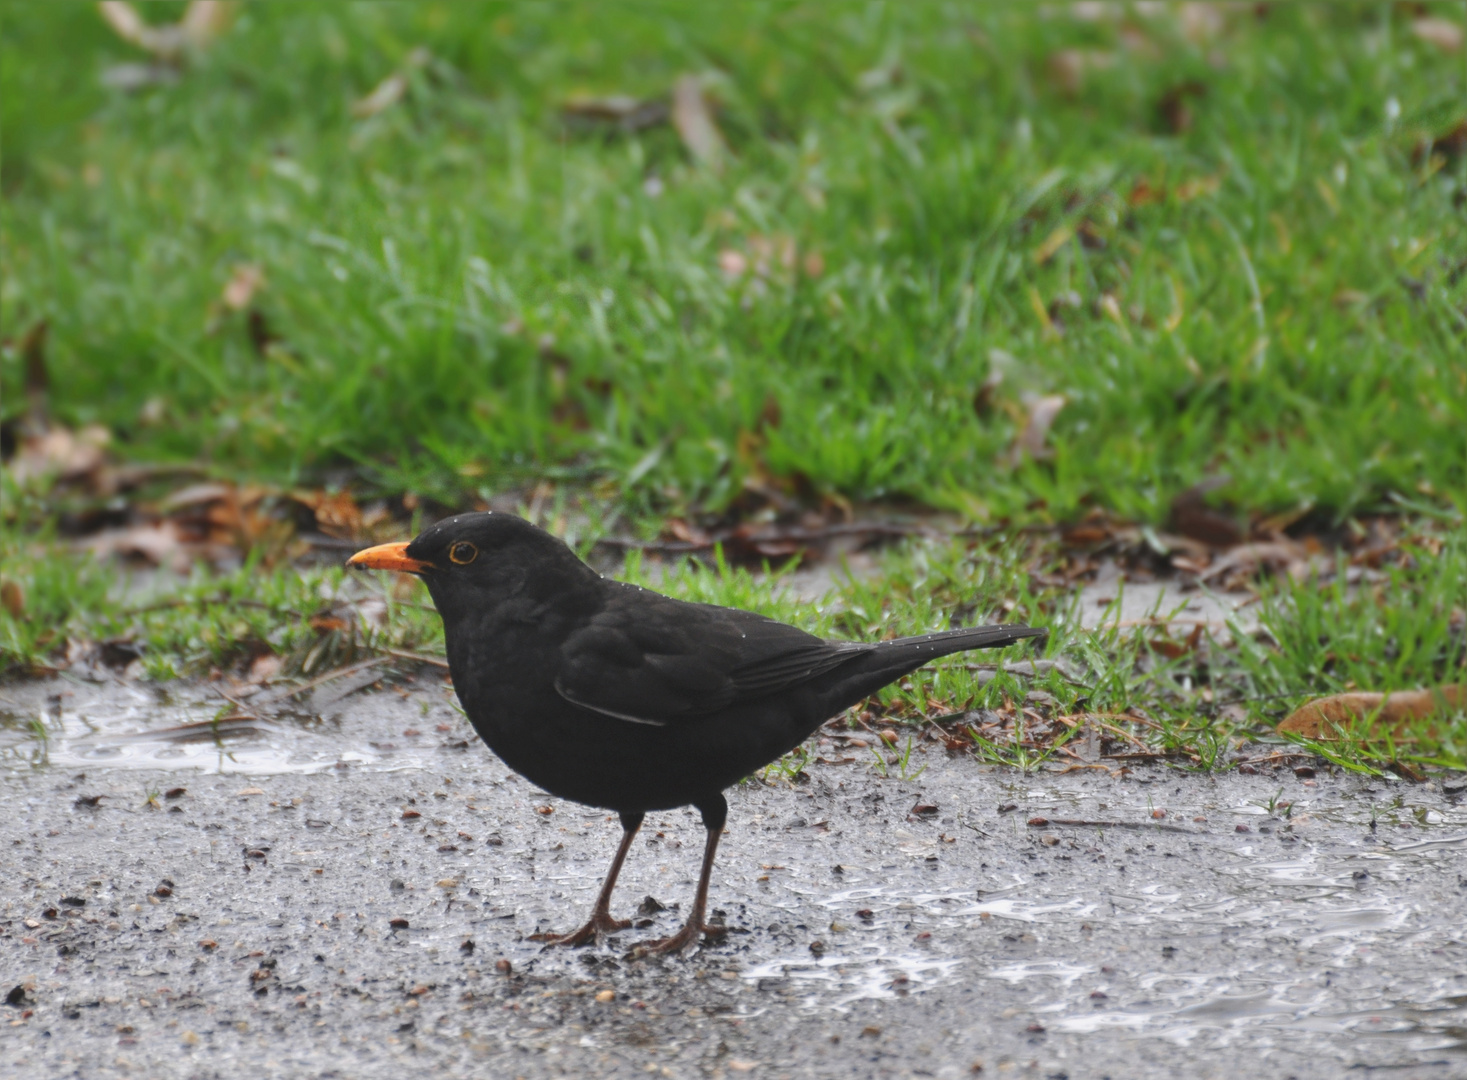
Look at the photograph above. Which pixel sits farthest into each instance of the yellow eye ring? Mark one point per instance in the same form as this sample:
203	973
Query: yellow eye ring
463	553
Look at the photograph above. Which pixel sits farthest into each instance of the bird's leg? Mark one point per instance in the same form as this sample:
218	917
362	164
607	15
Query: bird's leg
715	814
601	922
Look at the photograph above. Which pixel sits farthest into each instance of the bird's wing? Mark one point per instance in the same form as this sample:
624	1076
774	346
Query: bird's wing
648	659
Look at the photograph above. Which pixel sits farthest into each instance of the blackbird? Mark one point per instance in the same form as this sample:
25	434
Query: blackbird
614	696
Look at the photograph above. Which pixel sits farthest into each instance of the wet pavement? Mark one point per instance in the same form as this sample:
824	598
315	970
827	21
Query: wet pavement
350	892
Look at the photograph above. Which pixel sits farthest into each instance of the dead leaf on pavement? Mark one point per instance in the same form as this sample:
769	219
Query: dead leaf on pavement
692	116
1335	716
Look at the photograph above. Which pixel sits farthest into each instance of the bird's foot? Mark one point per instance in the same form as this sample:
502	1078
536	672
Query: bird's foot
688	936
600	926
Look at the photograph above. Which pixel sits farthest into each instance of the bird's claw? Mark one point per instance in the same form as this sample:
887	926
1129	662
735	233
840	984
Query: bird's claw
689	935
600	925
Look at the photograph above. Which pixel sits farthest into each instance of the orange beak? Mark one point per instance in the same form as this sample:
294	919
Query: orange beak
388	557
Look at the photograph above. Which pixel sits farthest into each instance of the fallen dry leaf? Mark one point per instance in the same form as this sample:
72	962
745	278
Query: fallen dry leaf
37	378
12	598
1052	243
248	279
1334	716
264	668
1032	440
621	111
776	257
692	116
1200	21
202	22
61	454
1451	145
336	512
1248	558
1068	67
1193	518
1443	33
392	89
1197	187
1174	111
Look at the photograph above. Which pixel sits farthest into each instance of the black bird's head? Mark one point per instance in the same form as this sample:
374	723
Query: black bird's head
474	560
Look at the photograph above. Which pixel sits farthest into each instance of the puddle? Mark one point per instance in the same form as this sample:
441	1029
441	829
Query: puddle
135	728
863	971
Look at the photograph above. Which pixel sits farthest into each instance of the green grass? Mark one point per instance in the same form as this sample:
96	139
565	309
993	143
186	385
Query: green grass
1404	631
465	293
1289	312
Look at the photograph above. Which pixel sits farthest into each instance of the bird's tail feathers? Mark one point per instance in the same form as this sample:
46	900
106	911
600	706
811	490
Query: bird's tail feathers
971	637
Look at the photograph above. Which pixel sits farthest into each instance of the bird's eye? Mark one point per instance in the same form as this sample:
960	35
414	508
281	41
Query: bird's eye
463	553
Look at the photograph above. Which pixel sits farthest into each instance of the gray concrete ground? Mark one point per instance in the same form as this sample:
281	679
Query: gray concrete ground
245	925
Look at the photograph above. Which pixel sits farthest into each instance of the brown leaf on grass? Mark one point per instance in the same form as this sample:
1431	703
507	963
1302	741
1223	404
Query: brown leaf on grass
692	116
392	89
336	512
1052	243
1197	187
1193	518
37	378
202	22
62	455
384	95
247	279
12	598
158	543
621	111
1443	33
773	258
1068	67
1335	716
1451	145
1173	110
987	392
1032	441
1200	21
1144	192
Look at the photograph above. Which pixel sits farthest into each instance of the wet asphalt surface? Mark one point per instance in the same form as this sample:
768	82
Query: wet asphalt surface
879	926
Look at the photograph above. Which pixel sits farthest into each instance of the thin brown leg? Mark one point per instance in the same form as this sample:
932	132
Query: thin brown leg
715	814
601	922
